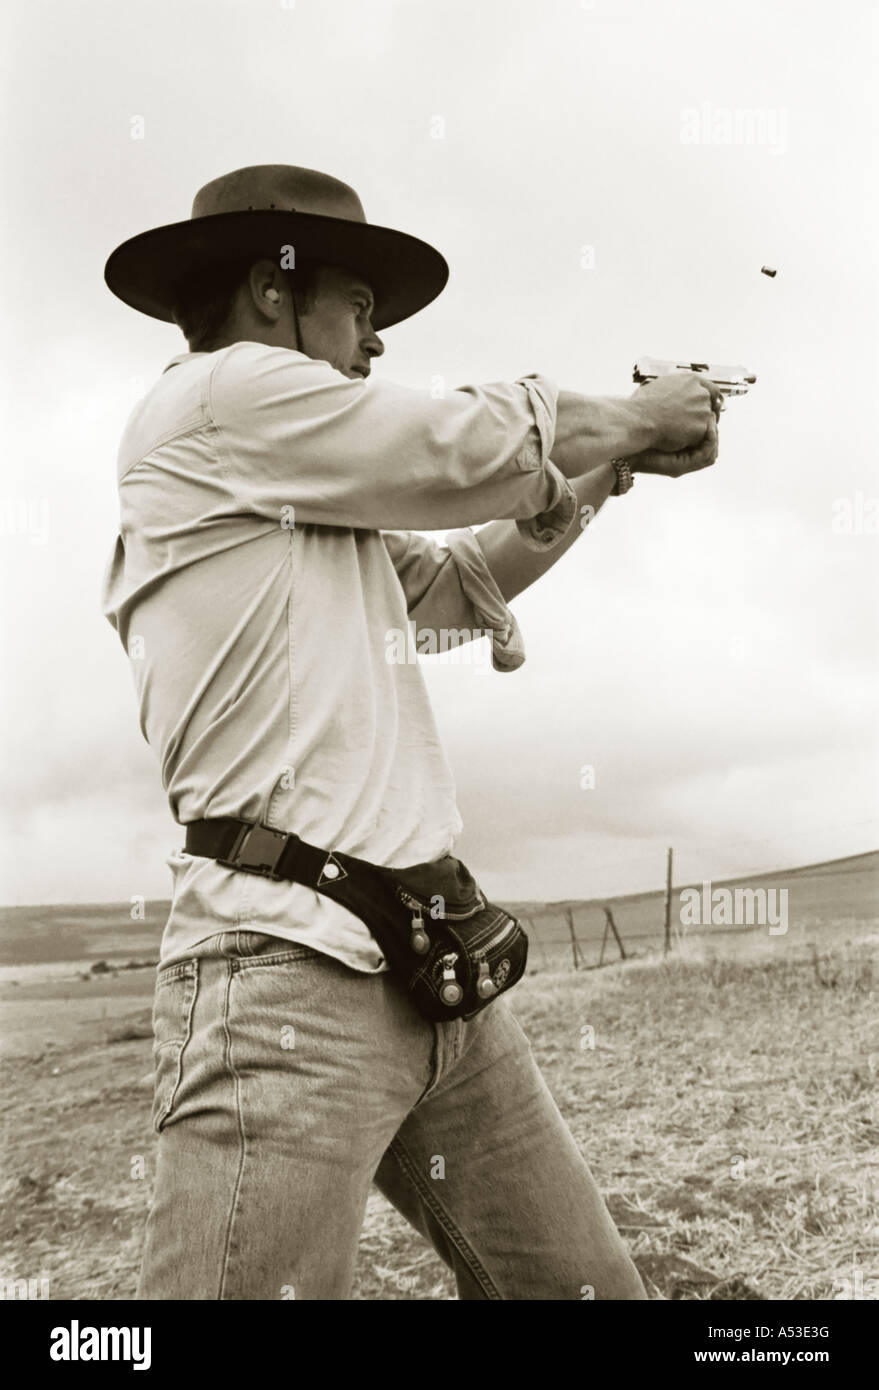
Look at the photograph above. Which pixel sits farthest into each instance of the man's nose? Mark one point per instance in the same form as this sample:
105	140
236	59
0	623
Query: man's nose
373	345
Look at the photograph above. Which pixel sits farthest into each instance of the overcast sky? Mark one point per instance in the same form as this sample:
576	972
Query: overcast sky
709	646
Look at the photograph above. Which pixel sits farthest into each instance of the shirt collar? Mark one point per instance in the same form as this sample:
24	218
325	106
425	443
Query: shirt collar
181	357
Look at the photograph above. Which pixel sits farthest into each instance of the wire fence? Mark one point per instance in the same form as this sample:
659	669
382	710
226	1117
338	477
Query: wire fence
587	935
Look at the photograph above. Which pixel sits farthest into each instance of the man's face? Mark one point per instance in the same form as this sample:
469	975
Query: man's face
338	326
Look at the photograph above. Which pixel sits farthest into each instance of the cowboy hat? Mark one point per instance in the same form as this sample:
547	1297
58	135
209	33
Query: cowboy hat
256	212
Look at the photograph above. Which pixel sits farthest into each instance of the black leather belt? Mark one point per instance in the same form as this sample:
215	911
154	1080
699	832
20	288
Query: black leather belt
275	854
453	950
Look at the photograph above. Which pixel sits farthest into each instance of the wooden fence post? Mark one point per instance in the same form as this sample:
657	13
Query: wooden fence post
569	915
613	926
668	905
604	938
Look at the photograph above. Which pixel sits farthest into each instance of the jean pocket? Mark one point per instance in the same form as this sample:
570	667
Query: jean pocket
176	989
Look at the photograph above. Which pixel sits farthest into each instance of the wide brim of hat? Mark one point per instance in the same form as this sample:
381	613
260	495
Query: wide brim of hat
403	272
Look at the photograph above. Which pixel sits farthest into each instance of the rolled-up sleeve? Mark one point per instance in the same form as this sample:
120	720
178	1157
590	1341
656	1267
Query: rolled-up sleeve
450	592
292	432
544	531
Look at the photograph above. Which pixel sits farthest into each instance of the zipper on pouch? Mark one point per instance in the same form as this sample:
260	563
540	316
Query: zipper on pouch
495	941
418	937
450	991
485	985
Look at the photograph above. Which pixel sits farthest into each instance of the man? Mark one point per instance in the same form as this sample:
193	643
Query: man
269	494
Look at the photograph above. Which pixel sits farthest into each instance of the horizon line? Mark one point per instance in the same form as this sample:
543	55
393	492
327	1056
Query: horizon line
555	902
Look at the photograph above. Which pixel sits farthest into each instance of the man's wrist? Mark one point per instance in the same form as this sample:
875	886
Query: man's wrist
642	428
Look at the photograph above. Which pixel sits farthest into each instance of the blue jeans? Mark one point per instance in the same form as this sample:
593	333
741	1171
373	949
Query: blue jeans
287	1083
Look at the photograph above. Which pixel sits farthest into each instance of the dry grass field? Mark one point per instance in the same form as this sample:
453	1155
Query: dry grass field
725	1097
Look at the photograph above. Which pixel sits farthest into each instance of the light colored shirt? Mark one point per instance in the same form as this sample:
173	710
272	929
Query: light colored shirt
264	554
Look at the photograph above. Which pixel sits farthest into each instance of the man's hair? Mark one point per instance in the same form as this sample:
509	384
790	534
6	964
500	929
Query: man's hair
204	303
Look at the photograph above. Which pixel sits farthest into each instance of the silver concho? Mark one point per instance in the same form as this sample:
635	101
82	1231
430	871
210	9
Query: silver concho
501	973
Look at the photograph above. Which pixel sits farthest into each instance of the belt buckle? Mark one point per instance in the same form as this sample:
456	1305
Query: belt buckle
257	850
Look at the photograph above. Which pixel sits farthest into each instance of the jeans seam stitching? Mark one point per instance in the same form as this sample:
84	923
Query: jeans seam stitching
463	1247
437	1056
189	972
236	1084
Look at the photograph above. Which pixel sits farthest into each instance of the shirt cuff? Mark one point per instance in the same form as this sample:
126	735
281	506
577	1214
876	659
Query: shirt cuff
545	530
487	601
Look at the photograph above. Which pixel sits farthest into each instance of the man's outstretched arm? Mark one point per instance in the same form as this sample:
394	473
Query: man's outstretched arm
668	413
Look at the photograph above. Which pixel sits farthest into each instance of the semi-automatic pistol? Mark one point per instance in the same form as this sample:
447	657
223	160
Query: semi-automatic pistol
730	381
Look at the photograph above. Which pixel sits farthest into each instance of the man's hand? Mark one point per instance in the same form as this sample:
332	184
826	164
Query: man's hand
675	463
677	410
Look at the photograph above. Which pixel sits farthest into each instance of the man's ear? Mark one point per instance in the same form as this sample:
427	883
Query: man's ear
265	292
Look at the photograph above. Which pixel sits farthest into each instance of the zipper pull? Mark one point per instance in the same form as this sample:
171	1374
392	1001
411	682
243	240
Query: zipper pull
451	992
418	939
485	985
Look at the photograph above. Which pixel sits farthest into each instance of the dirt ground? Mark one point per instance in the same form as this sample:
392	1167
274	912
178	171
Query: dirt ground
725	1100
